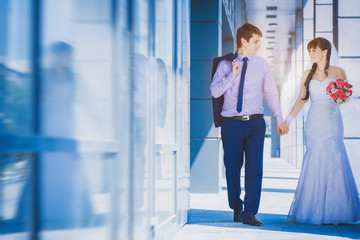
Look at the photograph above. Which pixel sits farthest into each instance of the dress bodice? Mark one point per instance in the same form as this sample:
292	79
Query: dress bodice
318	90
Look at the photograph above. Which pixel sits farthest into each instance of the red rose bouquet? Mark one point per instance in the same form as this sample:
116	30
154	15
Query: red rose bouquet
340	90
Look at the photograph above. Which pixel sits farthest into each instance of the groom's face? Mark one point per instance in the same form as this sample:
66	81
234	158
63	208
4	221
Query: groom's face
253	45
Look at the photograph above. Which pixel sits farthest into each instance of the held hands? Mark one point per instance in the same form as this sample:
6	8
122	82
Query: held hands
282	128
235	67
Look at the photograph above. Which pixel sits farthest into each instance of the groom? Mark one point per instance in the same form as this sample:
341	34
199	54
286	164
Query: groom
244	82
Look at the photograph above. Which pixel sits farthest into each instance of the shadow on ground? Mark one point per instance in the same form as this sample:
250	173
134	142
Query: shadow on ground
272	222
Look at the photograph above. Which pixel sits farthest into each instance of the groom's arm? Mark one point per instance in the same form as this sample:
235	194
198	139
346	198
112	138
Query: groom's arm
223	79
271	95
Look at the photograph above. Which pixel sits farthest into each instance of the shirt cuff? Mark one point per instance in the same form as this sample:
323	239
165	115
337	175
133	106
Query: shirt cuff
279	119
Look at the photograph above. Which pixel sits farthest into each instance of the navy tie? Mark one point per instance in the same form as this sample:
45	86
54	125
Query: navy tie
241	87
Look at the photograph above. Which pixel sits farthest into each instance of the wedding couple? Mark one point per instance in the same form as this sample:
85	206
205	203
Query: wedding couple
326	191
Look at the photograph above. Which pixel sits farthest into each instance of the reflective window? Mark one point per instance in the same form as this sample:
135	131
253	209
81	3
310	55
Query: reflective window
141	130
328	36
77	76
165	106
324	18
77	108
16	118
324	1
165	184
308	29
104	123
349	37
349	8
123	106
15	67
164	79
75	195
309	9
15	195
351	110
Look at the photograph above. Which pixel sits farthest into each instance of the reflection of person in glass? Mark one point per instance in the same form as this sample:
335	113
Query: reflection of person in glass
59	88
161	92
140	86
64	196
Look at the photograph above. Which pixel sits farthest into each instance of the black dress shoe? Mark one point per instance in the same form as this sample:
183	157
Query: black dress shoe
237	215
251	220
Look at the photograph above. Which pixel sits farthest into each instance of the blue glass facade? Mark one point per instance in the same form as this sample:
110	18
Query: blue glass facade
94	118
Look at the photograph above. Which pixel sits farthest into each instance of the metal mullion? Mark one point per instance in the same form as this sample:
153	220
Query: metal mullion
36	93
151	182
131	27
114	165
336	23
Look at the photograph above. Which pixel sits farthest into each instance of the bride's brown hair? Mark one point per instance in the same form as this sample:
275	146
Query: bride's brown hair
323	44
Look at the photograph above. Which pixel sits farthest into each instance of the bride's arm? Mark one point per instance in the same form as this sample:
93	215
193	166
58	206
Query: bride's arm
299	104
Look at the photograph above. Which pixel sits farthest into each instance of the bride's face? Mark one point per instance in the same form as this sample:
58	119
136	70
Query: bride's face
317	55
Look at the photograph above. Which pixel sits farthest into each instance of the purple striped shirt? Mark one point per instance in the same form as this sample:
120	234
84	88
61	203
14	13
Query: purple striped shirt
259	83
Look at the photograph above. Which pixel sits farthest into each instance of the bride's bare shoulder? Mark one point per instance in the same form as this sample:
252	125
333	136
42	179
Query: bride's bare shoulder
336	71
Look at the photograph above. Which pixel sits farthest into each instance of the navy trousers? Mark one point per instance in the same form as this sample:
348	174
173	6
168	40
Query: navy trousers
241	137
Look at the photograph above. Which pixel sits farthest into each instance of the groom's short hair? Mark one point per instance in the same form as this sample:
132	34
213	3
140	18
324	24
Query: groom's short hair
246	31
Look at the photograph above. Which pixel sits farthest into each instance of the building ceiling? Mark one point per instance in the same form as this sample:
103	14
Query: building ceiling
276	20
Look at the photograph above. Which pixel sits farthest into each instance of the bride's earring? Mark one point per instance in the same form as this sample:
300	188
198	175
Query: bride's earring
324	57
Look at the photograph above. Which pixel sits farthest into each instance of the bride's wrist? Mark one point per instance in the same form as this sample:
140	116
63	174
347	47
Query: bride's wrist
289	119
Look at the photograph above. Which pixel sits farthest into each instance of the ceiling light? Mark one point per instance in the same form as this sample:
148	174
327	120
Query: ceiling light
271	8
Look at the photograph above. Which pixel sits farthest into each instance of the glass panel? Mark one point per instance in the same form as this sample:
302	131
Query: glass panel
77	102
307	61
141	86
15	67
328	36
182	167
164	81
349	37
324	1
77	87
124	108
352	149
15	195
308	29
15	116
349	8
351	110
164	186
324	18
309	9
75	194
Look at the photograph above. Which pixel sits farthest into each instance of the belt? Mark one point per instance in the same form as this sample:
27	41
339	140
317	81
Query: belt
246	117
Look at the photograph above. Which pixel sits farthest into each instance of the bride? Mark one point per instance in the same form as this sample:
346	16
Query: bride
326	192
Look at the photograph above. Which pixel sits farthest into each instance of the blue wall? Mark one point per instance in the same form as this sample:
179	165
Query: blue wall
211	34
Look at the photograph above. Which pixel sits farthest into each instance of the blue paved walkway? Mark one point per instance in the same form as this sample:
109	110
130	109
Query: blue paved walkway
211	219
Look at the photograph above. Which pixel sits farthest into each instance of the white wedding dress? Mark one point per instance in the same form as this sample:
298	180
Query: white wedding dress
326	192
